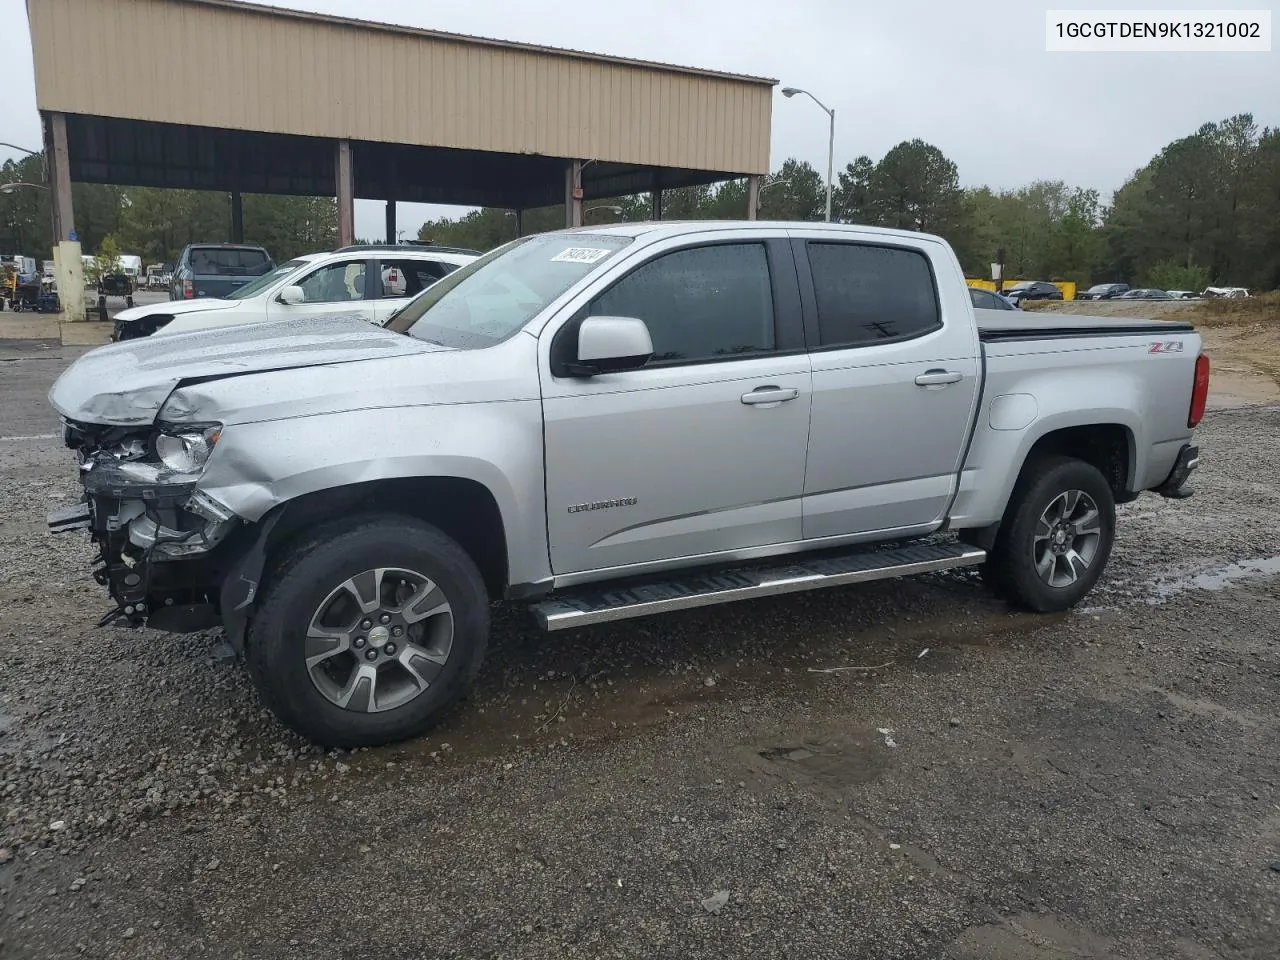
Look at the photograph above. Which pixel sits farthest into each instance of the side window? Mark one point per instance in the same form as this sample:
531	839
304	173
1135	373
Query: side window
868	293
408	278
335	283
704	303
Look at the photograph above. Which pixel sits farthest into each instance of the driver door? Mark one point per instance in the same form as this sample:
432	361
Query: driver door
699	454
337	288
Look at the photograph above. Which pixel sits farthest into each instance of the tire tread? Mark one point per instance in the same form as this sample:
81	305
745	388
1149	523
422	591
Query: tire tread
289	577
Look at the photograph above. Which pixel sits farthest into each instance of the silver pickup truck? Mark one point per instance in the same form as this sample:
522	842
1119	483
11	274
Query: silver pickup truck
605	423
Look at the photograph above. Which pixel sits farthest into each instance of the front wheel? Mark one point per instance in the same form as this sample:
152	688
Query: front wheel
368	630
1056	536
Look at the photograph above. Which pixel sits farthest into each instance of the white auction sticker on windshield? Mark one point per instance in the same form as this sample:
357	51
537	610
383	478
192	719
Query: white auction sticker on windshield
582	254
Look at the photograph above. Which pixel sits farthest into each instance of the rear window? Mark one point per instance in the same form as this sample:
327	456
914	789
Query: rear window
868	294
229	261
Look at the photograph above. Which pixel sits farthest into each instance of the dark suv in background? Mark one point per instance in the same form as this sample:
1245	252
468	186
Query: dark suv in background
211	270
1032	290
1103	291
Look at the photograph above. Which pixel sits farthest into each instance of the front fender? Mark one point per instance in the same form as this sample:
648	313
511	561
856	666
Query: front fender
258	466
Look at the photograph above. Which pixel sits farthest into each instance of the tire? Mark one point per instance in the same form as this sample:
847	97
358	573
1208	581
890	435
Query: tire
1016	567
308	579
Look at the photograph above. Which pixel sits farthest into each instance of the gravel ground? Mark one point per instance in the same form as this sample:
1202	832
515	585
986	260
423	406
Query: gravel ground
992	785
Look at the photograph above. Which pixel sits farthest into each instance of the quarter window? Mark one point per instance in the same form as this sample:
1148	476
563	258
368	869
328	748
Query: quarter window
867	294
704	303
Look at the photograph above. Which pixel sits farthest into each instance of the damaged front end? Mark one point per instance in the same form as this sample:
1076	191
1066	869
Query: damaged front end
157	535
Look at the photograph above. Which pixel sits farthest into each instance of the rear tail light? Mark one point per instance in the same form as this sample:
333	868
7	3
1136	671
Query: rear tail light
188	291
1199	391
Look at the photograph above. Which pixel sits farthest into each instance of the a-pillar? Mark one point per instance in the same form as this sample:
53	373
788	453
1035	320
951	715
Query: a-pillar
66	246
519	222
655	204
391	221
237	217
753	196
573	193
346	193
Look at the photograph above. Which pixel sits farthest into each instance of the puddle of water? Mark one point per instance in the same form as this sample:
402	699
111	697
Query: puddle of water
1219	579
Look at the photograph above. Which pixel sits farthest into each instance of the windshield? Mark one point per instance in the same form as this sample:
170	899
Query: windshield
1024	285
229	261
265	281
491	298
1100	288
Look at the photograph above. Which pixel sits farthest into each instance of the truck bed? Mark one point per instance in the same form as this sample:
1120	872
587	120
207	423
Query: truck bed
1000	325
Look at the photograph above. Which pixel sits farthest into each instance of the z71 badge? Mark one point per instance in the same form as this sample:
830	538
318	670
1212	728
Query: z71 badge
1166	346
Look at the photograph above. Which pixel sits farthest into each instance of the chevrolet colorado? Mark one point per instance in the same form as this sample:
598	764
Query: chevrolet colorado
604	423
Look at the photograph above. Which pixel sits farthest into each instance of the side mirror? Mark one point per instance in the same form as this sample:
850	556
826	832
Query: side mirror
610	344
292	295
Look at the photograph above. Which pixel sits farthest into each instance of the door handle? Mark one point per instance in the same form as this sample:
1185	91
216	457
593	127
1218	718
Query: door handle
938	378
770	395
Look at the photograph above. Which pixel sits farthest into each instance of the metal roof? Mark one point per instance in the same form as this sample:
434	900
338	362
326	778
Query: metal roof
223	94
275	11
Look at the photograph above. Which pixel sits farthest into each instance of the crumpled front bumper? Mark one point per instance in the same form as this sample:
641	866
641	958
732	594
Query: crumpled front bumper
155	537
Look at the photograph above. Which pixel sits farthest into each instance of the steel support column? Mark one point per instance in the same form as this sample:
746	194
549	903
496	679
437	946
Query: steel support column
237	217
345	190
573	193
753	196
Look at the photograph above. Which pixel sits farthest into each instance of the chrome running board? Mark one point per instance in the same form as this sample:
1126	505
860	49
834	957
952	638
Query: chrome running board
601	603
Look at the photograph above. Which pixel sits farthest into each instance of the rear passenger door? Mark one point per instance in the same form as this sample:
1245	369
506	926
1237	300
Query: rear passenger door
403	278
895	382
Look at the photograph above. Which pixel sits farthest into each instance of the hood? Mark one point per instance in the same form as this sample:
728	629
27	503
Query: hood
127	383
176	308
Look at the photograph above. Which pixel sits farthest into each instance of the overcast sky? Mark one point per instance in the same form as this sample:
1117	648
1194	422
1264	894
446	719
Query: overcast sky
973	77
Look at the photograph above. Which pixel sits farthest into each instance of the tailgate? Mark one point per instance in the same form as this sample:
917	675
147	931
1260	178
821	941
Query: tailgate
214	286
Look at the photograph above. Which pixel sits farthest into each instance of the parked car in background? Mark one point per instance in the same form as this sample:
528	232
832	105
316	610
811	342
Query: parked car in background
1032	290
1183	294
348	499
315	285
989	300
1144	293
212	270
1231	292
1103	291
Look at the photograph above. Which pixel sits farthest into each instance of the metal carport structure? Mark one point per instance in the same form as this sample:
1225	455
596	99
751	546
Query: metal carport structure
238	97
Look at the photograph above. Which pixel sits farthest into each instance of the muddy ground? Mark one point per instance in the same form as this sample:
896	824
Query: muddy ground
991	785
1242	338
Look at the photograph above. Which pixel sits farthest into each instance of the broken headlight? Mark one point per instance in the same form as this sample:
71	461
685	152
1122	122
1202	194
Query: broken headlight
187	450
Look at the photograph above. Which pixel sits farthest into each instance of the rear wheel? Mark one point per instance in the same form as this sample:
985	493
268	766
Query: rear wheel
1056	536
368	631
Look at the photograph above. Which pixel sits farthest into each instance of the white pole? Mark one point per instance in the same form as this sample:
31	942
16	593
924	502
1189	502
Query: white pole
831	151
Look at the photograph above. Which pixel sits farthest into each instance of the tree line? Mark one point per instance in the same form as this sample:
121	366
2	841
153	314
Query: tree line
1205	210
156	224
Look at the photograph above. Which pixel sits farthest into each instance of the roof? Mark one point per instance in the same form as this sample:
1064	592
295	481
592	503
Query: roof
429	117
651	229
376	25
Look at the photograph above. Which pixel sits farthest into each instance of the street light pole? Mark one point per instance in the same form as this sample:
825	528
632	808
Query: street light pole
831	140
603	206
831	155
7	188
